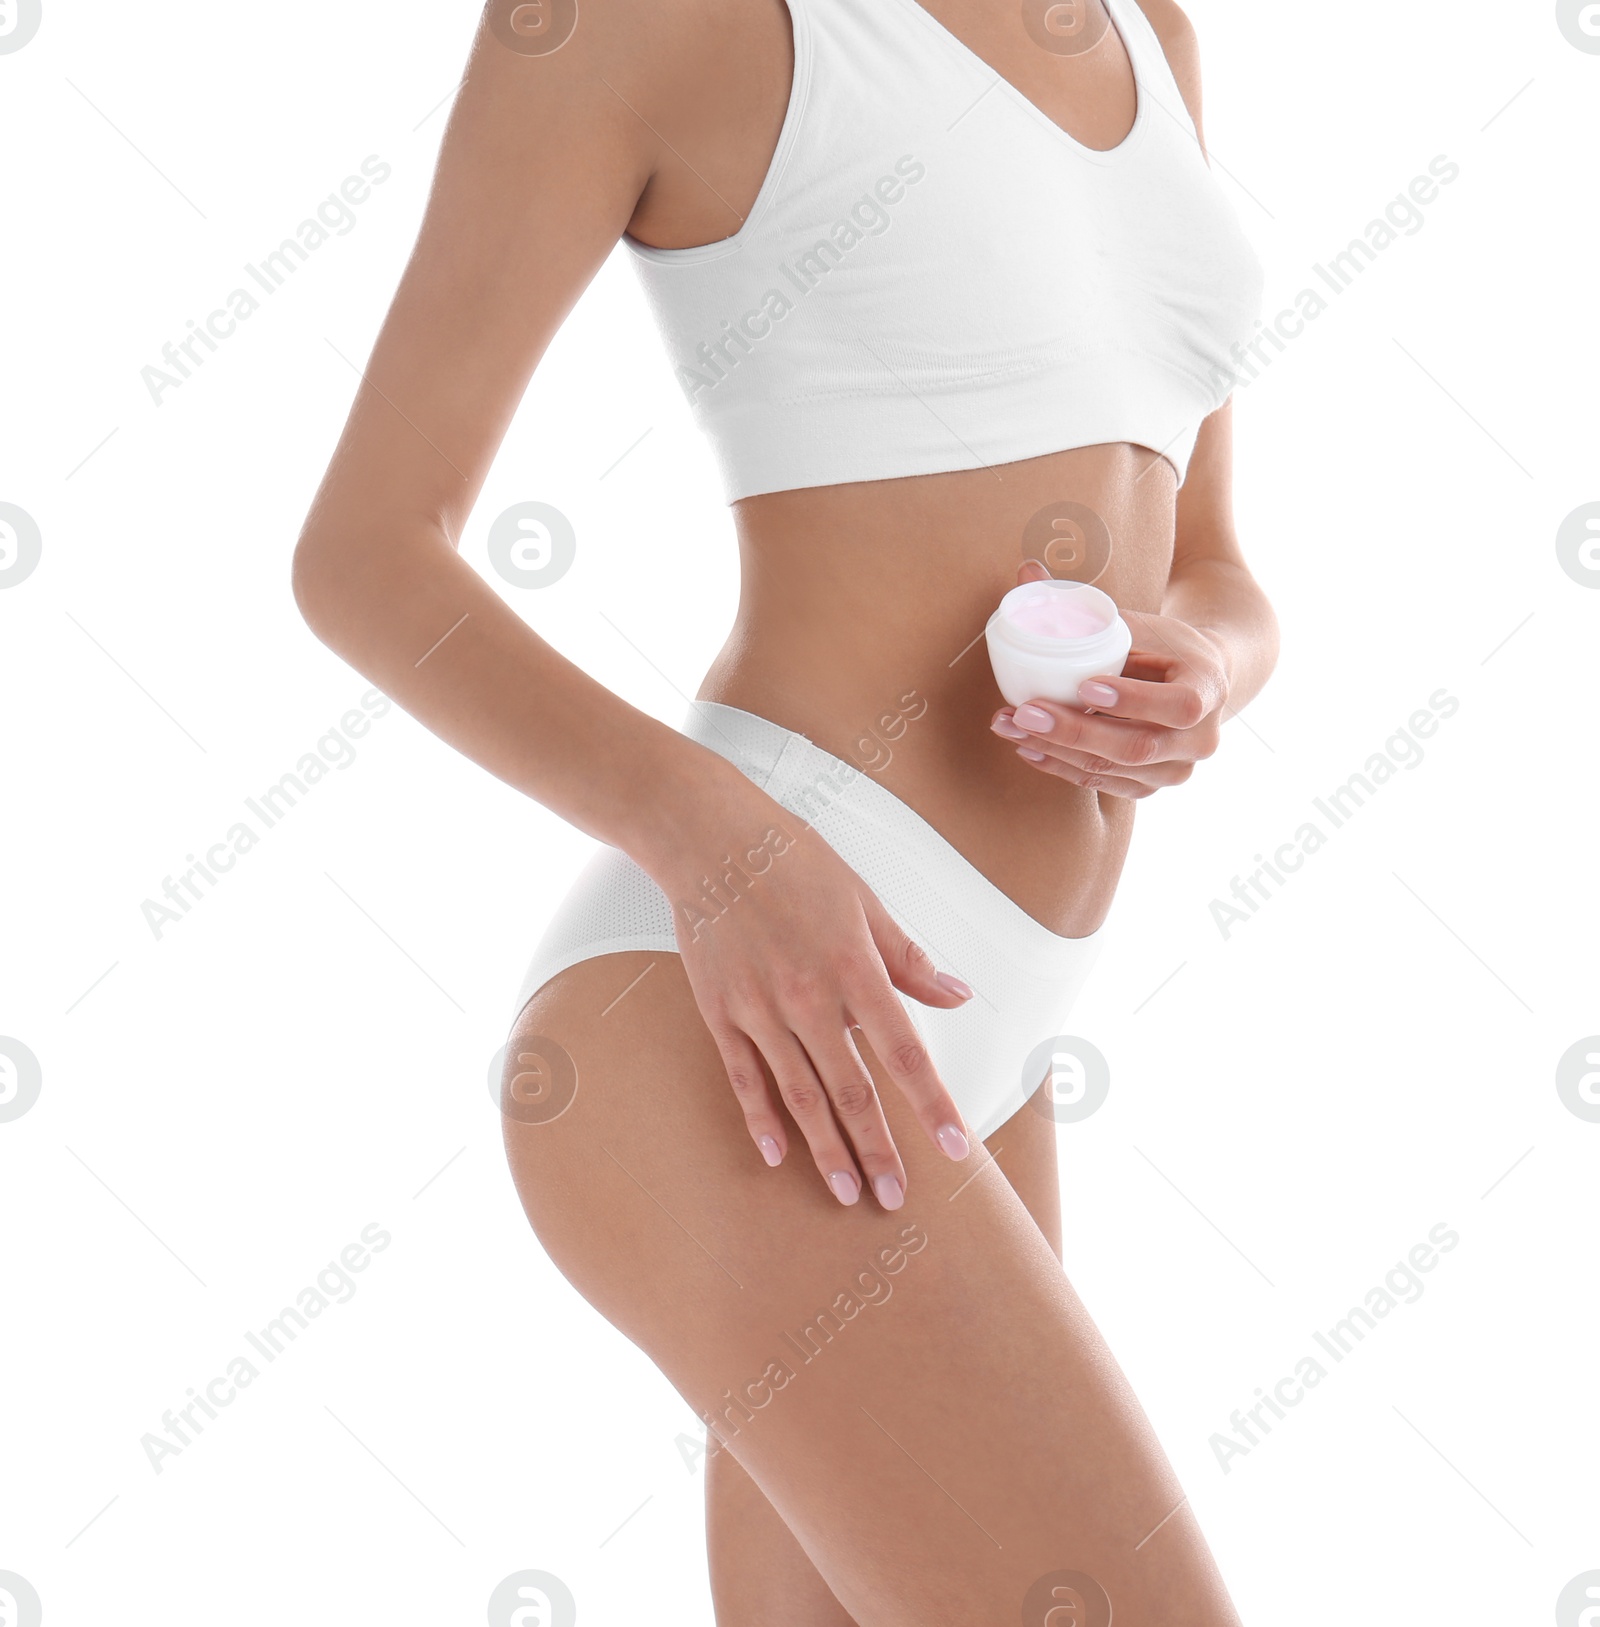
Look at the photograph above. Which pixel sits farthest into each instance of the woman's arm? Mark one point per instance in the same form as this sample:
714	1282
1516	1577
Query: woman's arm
537	179
1209	586
1215	641
1211	648
546	161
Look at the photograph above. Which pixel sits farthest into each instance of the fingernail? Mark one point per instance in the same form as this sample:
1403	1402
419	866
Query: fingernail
952	985
846	1188
1005	727
1034	719
769	1151
952	1141
1099	694
890	1193
1032	755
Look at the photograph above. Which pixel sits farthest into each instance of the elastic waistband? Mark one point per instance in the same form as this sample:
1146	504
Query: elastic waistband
820	787
752	744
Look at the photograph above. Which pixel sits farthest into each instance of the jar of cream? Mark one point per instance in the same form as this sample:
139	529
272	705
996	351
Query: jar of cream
1047	637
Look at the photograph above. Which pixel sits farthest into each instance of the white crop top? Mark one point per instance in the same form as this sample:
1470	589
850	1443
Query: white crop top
935	276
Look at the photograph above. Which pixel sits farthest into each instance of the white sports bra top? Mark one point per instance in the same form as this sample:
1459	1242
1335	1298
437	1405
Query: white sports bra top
935	276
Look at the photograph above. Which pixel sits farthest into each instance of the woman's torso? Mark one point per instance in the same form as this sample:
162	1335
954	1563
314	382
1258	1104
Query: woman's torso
863	602
860	625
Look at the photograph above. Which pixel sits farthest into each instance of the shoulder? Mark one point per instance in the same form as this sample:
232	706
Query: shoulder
692	42
625	57
690	63
1181	46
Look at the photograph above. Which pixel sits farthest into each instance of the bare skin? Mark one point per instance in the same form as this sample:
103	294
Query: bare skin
755	1558
970	1433
930	1456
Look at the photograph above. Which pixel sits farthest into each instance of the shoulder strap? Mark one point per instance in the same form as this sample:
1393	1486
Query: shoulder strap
1149	58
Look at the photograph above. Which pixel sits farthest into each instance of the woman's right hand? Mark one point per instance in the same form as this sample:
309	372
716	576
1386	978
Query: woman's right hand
787	950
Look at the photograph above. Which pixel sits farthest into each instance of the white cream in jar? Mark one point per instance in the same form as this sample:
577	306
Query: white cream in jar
1046	638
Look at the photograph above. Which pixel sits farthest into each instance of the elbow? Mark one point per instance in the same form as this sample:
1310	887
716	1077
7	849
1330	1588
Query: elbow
351	578
1272	634
313	580
1270	640
303	583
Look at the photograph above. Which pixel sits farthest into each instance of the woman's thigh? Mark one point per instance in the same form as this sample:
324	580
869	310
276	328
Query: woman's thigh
760	1574
919	1394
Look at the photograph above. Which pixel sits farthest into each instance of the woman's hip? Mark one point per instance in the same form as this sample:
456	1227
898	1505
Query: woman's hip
994	1051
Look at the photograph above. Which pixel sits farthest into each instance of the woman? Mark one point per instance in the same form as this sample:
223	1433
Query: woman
956	298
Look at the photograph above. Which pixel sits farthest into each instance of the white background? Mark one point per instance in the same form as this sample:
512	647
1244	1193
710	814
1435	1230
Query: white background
227	1105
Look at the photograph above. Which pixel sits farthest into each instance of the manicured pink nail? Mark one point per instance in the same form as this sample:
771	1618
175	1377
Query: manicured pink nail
1004	727
769	1151
952	1141
1034	719
1032	755
952	985
890	1193
846	1188
1097	694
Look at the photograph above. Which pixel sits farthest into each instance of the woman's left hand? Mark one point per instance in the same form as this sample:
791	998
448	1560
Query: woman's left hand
1148	727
